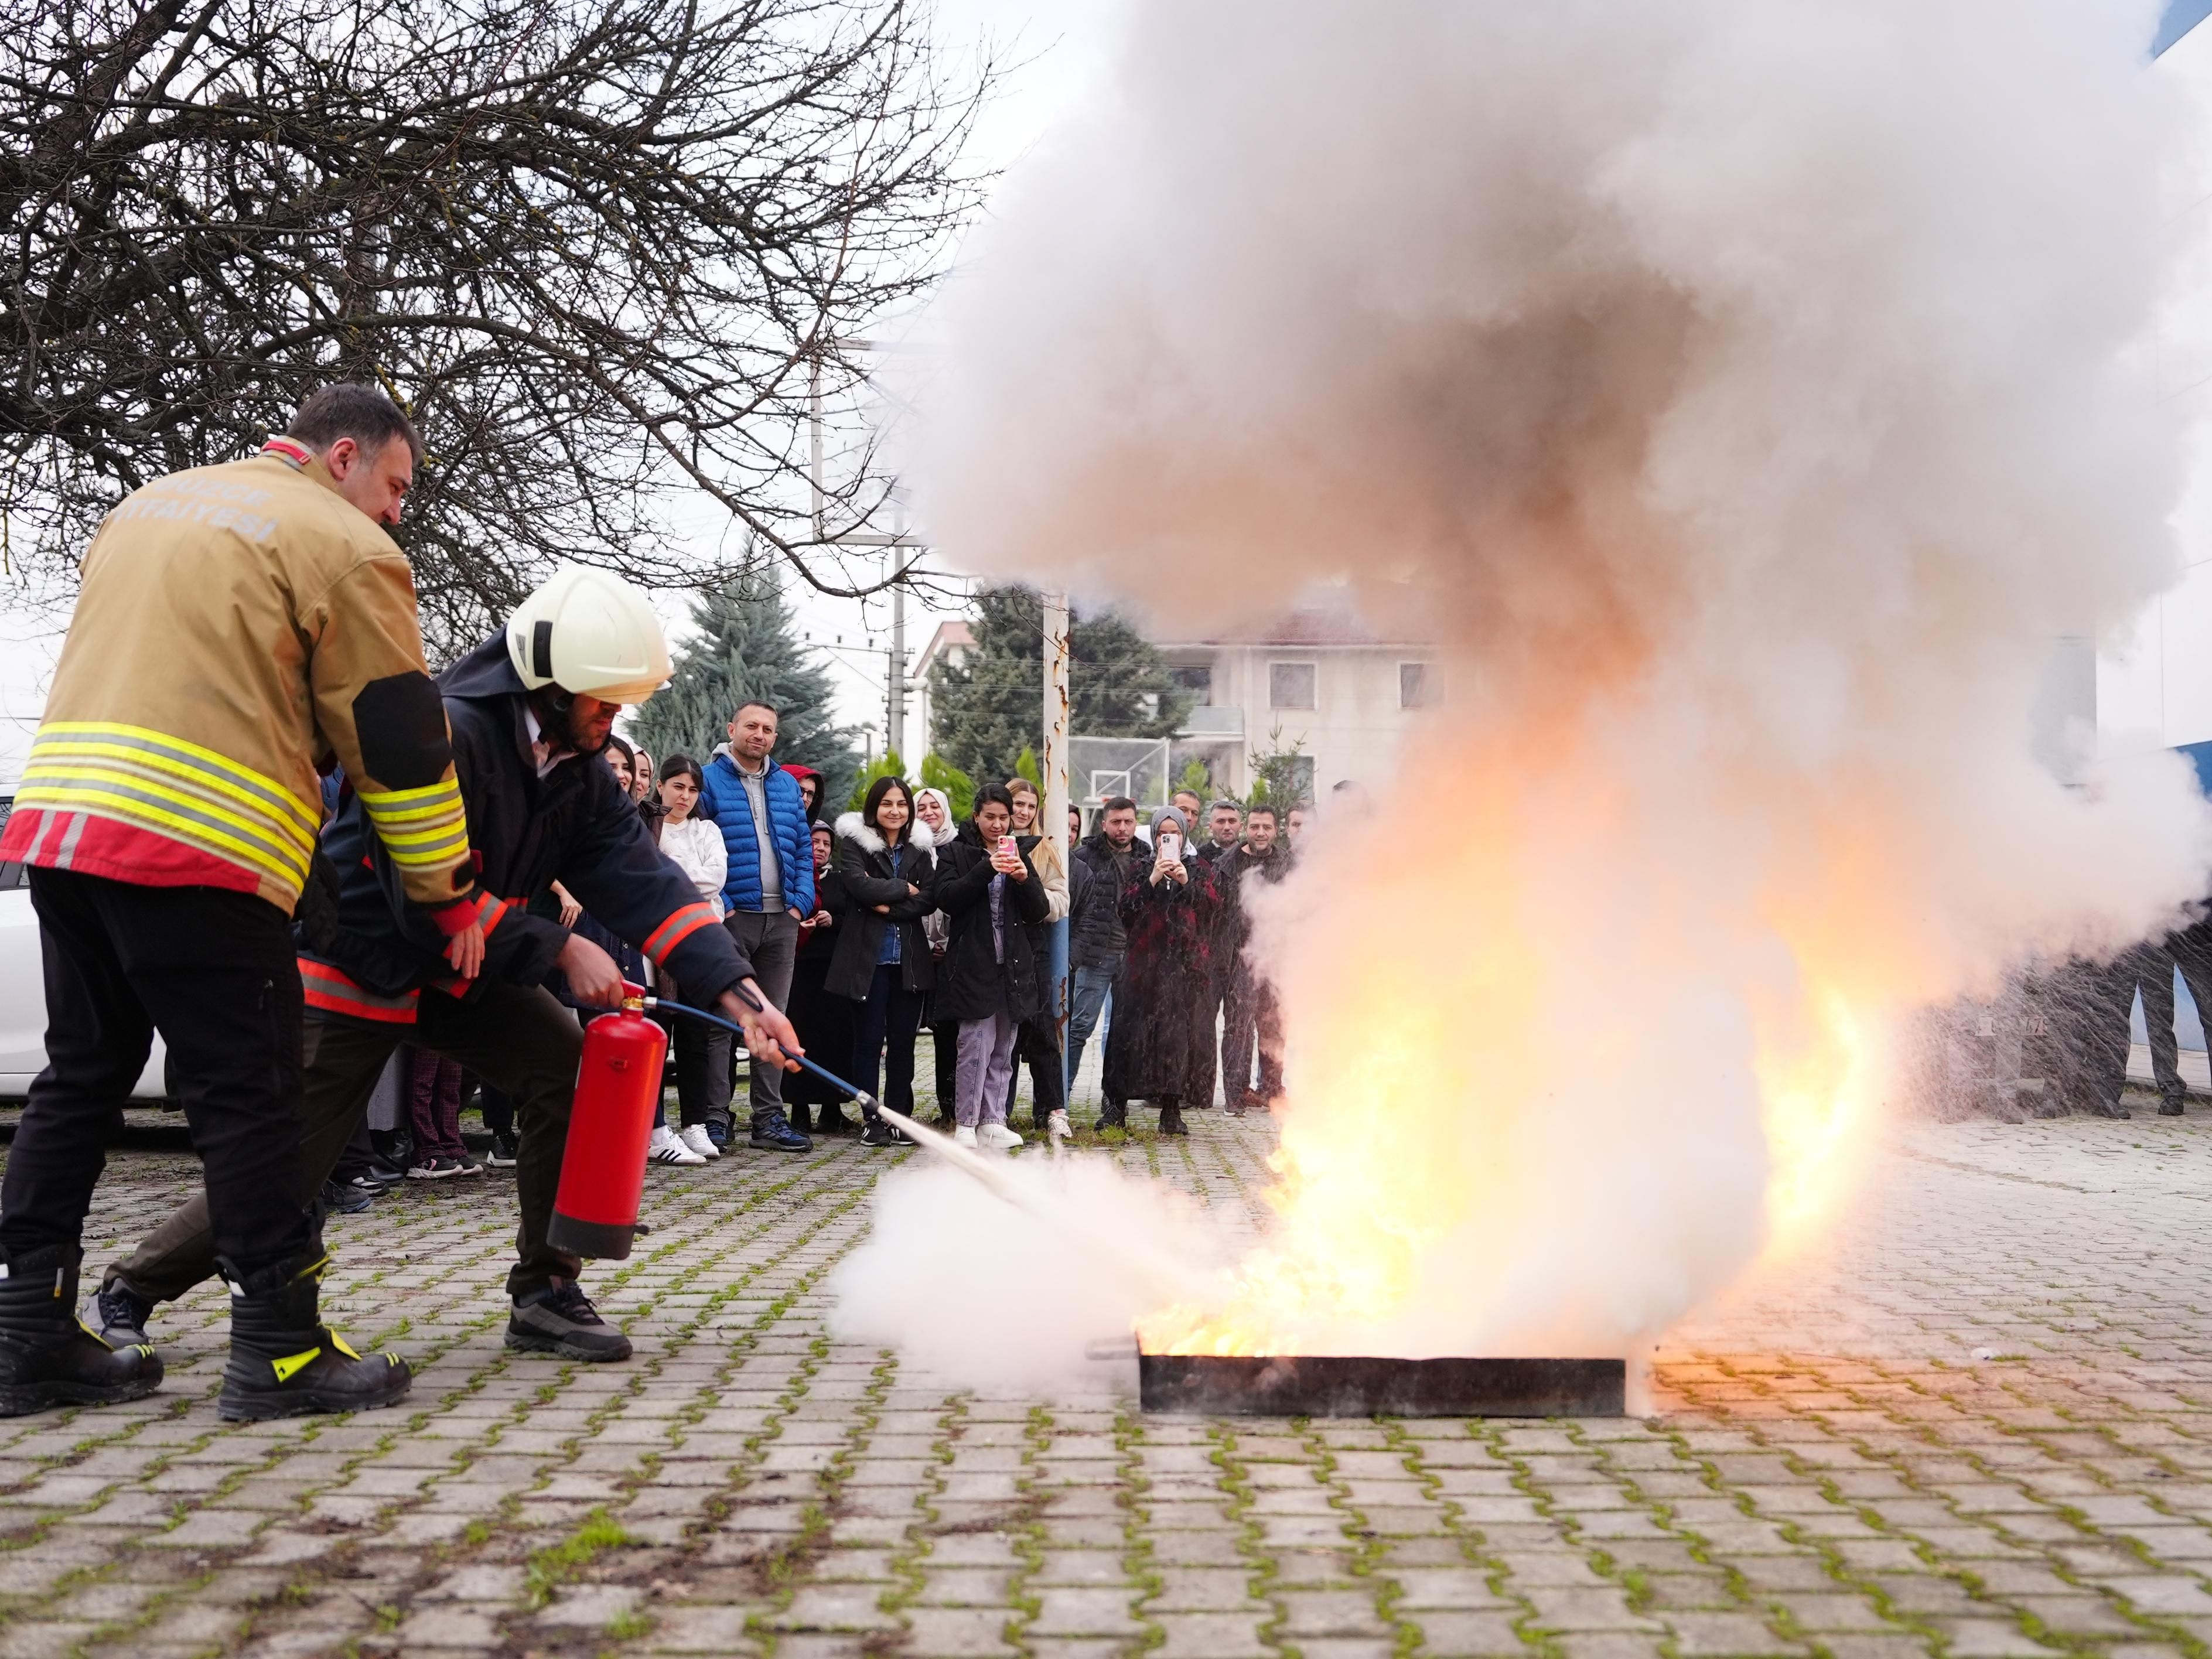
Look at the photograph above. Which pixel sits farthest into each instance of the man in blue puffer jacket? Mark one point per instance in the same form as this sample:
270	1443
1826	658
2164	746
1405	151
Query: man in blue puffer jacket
770	888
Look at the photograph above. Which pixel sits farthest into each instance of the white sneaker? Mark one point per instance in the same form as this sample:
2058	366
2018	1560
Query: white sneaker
1059	1128
999	1136
694	1137
963	1136
668	1147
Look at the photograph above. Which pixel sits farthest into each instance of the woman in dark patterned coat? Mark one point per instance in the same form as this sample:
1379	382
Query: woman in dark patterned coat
1168	907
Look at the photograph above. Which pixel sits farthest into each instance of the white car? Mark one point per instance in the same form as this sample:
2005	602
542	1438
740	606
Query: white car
23	998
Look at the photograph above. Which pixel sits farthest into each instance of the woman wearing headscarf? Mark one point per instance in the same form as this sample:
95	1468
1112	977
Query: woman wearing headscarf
1168	909
933	809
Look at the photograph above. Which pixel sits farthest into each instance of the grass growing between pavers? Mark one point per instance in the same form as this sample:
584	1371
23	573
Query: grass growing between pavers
557	1563
1251	1536
908	1581
1909	1502
1468	1535
1139	1566
2036	1627
1369	1549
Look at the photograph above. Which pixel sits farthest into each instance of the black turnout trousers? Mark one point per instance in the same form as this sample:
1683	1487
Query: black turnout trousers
518	1039
215	973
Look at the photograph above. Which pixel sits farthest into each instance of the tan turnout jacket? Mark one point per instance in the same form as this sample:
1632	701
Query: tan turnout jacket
238	625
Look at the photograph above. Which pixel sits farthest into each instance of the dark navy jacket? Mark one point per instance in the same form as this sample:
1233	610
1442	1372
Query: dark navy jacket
574	825
723	802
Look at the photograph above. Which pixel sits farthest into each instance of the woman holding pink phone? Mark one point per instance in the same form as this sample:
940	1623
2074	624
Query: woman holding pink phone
991	897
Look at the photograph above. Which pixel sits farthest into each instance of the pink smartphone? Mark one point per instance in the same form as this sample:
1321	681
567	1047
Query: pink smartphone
1006	845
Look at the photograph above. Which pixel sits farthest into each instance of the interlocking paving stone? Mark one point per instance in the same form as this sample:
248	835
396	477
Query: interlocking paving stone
1977	1424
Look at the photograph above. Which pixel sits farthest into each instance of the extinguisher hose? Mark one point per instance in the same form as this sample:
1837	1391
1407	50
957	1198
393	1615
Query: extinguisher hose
826	1075
964	1158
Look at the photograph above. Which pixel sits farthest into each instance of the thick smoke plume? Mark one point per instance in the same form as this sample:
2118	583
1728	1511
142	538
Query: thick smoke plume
1746	395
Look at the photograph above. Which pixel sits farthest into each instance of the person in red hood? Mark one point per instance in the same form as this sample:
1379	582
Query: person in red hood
810	790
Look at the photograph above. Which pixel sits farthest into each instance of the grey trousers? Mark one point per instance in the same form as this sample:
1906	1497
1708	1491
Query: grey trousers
985	1078
770	943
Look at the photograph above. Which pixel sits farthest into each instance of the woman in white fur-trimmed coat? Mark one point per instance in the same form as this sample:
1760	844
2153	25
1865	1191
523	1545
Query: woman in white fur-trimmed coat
886	860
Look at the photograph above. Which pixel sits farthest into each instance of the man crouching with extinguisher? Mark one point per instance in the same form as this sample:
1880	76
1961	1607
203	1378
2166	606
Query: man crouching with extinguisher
529	711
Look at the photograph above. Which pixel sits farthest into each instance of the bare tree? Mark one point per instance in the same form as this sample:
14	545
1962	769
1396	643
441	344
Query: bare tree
603	252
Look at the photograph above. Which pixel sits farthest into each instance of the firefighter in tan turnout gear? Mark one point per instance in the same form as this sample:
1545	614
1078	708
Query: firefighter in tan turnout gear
530	710
237	625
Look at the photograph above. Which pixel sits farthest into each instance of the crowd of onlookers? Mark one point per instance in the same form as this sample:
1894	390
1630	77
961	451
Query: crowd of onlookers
2057	1041
874	925
871	926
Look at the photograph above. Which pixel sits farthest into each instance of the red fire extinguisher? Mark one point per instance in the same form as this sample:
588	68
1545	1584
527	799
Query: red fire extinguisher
603	1170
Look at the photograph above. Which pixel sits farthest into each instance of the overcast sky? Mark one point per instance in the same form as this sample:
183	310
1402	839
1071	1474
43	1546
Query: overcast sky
1064	48
1060	48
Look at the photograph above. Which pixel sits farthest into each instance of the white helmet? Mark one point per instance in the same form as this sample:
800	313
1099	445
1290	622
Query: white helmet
589	631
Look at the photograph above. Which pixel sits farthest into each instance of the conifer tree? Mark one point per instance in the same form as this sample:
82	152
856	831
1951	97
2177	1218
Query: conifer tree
986	711
887	765
746	648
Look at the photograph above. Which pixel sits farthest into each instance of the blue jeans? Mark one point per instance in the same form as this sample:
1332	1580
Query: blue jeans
1086	1001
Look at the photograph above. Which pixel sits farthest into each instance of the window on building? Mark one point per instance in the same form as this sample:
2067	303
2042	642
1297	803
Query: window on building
1290	685
1412	685
1198	680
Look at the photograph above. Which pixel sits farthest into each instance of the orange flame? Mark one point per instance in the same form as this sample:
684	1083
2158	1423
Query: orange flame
1422	1137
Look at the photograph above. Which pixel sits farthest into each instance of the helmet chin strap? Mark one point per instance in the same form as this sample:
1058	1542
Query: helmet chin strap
552	705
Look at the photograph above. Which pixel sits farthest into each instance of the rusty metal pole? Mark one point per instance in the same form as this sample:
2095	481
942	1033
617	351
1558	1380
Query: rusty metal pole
1054	765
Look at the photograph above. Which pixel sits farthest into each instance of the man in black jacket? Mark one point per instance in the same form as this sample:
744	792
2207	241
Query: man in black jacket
1225	822
1096	943
1252	1011
529	711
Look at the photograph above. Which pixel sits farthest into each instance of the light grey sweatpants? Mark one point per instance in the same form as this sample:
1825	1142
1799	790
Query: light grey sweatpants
986	1069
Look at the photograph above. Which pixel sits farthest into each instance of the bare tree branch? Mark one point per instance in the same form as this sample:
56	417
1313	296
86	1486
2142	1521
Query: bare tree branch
597	251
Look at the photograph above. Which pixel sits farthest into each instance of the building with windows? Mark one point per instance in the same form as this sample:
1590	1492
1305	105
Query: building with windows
1317	680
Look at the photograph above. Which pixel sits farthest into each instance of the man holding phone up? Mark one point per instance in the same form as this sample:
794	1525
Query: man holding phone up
990	894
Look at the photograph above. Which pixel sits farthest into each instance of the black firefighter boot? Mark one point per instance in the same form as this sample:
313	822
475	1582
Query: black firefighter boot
285	1362
47	1357
1171	1122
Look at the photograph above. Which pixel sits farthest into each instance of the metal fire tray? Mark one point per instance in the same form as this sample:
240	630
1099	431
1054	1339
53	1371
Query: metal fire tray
1321	1385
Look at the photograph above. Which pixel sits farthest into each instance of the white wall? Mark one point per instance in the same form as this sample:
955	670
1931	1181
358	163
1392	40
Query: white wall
2155	681
1356	725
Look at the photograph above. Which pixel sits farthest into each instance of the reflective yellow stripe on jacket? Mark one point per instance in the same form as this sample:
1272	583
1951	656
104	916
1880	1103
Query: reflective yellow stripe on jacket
173	789
418	827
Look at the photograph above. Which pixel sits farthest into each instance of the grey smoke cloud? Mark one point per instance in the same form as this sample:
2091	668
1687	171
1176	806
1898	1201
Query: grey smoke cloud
1747	393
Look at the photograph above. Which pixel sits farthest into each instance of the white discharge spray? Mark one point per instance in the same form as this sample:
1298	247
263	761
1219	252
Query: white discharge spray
1745	395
